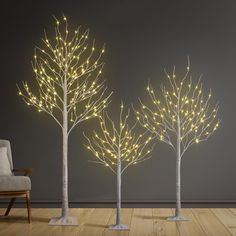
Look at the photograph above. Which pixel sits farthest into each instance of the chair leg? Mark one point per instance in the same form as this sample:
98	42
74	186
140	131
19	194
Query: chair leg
10	206
28	206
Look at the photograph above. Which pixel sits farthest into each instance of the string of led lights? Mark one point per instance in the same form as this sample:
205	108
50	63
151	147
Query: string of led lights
116	144
67	71
180	112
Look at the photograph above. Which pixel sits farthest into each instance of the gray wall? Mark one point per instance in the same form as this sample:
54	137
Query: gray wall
142	37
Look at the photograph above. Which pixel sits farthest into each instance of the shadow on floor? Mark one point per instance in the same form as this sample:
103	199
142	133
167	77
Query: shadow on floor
21	219
96	225
152	217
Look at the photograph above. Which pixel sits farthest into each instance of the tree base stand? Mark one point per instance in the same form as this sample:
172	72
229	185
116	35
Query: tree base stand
177	218
64	221
119	227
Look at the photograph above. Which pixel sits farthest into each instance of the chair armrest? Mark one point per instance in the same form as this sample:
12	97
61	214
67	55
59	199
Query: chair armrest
26	171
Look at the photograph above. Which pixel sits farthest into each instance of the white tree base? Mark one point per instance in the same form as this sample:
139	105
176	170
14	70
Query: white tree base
68	220
177	218
119	227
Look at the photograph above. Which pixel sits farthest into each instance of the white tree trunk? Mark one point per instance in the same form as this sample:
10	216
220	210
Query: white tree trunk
65	205
178	181
64	219
118	225
178	165
118	209
178	216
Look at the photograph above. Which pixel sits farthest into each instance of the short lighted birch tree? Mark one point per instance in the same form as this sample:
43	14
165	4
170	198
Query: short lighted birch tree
181	116
68	88
119	146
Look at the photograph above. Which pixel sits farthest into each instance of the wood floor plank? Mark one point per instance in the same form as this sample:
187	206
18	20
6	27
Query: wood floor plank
210	223
15	224
142	223
189	227
126	216
227	217
96	222
162	227
40	220
233	210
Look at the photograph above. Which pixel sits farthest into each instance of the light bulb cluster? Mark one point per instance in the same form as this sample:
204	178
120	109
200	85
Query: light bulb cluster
182	112
67	72
119	143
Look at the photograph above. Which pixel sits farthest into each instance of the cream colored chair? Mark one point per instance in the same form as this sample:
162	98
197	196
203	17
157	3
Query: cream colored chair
12	186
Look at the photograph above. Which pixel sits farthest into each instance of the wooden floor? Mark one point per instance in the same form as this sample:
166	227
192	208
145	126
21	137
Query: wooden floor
142	221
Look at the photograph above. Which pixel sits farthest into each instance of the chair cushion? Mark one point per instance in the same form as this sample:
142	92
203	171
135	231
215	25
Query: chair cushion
14	183
5	168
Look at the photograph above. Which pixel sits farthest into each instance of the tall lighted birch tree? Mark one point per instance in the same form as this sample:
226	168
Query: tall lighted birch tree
68	88
180	116
118	145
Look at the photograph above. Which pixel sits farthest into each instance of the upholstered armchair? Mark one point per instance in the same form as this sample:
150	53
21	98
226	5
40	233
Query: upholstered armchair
13	186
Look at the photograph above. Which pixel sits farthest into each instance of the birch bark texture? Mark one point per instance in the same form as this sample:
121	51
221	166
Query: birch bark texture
68	87
117	146
180	117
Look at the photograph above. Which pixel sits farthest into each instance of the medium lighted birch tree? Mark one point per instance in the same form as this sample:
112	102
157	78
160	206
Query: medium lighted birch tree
119	146
68	88
180	117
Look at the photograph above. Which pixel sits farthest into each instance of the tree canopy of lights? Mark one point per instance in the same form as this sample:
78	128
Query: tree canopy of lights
180	116
68	87
117	145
